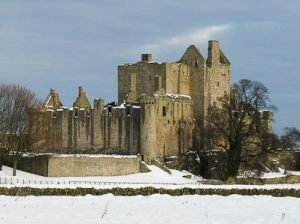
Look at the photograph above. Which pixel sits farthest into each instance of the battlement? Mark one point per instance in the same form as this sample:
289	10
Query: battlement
174	97
146	99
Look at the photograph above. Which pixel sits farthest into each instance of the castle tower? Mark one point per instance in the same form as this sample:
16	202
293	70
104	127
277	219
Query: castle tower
218	73
197	68
147	77
148	127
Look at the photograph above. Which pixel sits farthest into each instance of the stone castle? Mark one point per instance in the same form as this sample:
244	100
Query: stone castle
160	112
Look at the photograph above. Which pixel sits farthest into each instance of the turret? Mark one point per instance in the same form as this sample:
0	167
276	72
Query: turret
148	127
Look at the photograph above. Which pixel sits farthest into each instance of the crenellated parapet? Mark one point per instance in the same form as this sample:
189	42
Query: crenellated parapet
147	99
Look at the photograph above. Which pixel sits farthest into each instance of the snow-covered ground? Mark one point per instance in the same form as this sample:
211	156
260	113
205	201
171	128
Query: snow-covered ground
164	209
157	177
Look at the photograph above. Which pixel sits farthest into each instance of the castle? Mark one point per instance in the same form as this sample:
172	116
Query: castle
160	109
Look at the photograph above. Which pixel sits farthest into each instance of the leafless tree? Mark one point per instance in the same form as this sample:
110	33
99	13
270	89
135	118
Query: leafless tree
15	100
290	139
234	121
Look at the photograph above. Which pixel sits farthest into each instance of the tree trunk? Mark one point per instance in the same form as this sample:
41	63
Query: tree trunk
15	167
234	160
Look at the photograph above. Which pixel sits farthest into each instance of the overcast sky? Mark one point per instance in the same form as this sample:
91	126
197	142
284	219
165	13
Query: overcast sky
63	44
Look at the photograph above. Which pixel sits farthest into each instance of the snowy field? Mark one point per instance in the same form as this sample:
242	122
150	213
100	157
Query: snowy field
153	209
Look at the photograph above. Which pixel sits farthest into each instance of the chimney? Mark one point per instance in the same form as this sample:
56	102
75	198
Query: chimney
146	57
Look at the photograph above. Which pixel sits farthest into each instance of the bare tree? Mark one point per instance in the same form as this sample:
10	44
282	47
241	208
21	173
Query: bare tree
15	100
234	122
291	138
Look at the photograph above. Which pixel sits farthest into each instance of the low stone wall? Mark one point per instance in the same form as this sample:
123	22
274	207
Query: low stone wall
79	165
25	191
63	166
289	179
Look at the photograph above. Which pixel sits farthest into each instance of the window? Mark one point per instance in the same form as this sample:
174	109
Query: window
218	84
150	78
164	111
196	63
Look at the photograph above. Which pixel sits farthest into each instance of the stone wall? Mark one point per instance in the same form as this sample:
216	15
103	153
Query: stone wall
146	191
157	125
177	79
32	164
142	77
108	130
80	165
93	166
